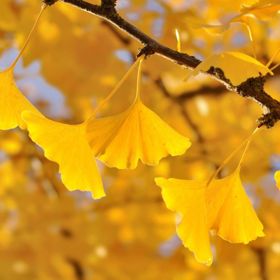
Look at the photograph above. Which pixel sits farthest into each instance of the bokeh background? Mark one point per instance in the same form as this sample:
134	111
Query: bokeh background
73	60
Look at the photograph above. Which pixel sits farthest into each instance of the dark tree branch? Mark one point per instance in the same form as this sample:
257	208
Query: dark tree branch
190	94
49	2
109	13
78	269
109	3
252	88
261	255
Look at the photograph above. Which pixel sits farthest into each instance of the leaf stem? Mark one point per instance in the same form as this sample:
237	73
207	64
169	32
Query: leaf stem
272	58
43	7
274	67
249	30
138	81
115	89
247	141
247	146
178	39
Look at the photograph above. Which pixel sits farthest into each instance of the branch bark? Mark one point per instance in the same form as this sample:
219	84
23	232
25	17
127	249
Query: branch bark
252	88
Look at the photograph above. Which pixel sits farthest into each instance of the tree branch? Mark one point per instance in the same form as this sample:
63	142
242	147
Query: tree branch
261	255
252	88
184	96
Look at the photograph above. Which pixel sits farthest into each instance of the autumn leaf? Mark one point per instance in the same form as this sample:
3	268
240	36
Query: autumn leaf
67	146
12	101
230	211
187	197
136	134
71	63
229	63
222	206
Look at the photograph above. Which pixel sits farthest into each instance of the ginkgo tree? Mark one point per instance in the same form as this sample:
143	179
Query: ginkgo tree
208	197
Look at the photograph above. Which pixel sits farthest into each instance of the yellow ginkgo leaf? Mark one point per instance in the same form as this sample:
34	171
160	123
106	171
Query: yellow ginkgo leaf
187	197
230	211
66	145
137	133
223	206
12	102
237	67
277	178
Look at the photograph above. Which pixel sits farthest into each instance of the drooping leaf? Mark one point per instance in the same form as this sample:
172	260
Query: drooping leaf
230	211
67	146
12	102
223	206
187	197
236	66
137	133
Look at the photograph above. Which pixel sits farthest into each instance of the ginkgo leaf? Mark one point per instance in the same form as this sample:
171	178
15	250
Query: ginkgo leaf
223	206
187	197
137	133
12	102
230	211
277	178
237	67
66	145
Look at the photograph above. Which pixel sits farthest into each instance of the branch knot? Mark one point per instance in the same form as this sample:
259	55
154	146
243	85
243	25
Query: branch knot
49	2
108	7
268	119
149	49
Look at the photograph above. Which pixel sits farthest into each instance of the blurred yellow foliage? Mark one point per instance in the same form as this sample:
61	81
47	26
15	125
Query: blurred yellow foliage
70	64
